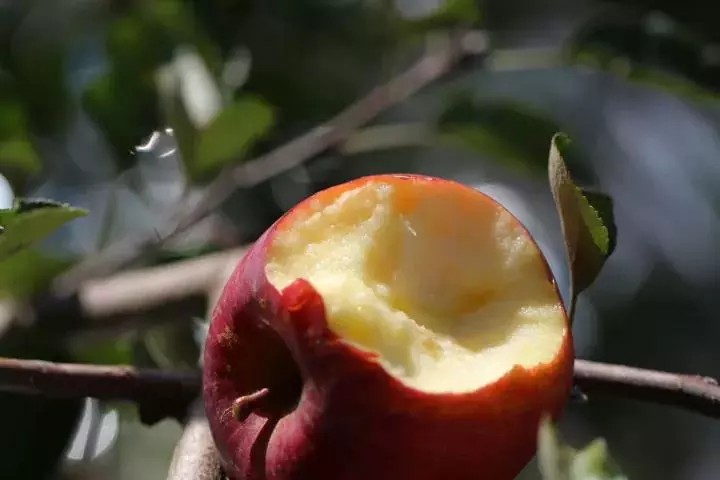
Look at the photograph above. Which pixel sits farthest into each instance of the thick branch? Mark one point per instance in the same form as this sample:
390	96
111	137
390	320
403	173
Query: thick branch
432	66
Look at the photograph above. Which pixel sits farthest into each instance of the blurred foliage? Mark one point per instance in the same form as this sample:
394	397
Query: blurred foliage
651	49
503	130
29	271
233	78
558	461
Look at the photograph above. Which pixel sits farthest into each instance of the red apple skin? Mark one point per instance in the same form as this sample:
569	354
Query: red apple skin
353	421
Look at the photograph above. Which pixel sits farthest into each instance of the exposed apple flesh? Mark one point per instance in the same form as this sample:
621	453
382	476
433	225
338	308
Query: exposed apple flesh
396	326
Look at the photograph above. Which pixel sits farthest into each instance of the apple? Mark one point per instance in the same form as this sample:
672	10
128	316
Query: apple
397	327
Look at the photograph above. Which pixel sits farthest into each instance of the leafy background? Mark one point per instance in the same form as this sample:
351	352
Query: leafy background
124	108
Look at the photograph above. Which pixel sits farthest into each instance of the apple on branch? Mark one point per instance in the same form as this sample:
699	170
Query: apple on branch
396	327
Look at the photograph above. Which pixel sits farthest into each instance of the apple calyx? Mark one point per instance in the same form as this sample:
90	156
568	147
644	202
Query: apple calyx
242	407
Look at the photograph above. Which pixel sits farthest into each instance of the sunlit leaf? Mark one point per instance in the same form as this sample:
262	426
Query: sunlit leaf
558	461
31	220
506	131
232	134
588	240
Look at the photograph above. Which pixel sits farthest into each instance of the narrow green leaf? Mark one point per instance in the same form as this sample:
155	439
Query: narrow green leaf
558	461
588	240
231	134
31	220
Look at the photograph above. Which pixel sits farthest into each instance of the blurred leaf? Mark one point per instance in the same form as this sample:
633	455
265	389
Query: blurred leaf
16	150
196	87
113	351
175	113
31	220
650	49
506	131
231	135
450	13
558	461
588	240
124	105
172	345
39	71
28	271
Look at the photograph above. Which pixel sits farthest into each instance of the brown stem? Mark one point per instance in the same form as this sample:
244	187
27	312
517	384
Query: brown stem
157	393
167	388
691	392
432	66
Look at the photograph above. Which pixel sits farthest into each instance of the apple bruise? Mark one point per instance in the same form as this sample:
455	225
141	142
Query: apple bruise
438	280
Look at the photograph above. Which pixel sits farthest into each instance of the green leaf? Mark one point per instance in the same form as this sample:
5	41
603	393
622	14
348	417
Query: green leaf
31	220
19	153
588	240
28	271
172	345
123	103
113	351
558	461
508	132
450	12
231	134
649	49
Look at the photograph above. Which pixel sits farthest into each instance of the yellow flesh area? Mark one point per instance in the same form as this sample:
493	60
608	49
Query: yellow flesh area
451	293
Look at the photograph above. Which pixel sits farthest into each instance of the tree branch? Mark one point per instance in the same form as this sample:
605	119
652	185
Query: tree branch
157	393
694	393
691	392
162	293
432	66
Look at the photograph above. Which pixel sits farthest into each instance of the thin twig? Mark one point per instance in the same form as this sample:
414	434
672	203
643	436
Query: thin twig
432	66
694	393
158	393
691	392
167	292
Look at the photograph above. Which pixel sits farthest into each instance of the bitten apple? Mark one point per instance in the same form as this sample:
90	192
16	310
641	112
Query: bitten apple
396	327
